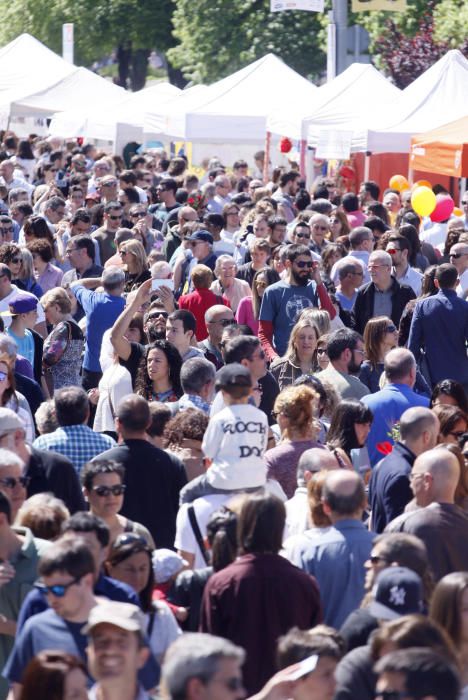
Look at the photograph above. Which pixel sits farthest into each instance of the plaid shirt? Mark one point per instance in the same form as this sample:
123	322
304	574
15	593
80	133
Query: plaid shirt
77	442
193	401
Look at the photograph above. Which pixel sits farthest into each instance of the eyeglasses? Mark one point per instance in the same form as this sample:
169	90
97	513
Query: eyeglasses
414	475
137	214
104	491
59	589
303	235
458	434
465	204
457	255
232	213
3	376
304	263
374	559
117	217
224	322
6	229
122	252
9	482
392	251
113	183
320	228
391	329
71	250
361	352
321	351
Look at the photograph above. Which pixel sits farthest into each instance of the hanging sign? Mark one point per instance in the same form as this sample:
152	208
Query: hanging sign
373	5
308	5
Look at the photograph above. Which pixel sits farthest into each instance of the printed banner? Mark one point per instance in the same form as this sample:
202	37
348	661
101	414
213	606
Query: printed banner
373	5
308	5
334	144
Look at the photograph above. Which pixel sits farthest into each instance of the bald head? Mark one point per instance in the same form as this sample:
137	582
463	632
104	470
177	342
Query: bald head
343	495
400	367
217	312
434	476
419	428
314	460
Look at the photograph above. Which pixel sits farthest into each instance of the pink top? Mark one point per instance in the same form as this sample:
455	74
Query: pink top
244	314
356	218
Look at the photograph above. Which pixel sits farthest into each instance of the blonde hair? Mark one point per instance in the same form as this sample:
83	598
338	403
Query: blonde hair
298	404
291	351
319	317
137	250
201	276
57	296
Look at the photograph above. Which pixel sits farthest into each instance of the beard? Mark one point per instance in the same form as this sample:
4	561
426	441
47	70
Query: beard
353	367
302	280
155	333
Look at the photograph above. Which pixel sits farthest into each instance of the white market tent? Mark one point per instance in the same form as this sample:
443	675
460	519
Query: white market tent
339	106
437	96
120	123
37	82
233	109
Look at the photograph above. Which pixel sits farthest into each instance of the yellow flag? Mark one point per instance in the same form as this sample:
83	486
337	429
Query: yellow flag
372	5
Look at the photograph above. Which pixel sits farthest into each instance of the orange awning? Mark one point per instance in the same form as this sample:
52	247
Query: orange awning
443	150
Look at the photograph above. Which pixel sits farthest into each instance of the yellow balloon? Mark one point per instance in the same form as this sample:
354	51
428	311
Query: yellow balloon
399	183
457	212
423	201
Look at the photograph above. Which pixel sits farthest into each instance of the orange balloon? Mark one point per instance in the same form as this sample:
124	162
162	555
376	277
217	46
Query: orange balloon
399	183
457	212
422	183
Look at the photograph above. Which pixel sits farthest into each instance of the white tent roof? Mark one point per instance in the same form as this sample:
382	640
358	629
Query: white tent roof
104	122
336	106
233	109
27	62
439	94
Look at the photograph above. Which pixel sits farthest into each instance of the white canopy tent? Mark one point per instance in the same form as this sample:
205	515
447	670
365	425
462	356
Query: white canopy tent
437	96
233	109
339	108
120	123
37	82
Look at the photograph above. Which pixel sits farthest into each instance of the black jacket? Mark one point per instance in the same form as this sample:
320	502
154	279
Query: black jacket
50	471
389	486
364	305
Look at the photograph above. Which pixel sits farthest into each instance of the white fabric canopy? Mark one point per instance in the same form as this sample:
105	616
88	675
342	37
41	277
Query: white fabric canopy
233	109
341	106
37	82
120	123
437	96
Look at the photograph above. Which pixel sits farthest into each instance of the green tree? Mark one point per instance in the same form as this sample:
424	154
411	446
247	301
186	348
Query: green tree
217	37
134	27
451	23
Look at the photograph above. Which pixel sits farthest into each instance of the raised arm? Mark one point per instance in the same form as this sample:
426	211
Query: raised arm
120	344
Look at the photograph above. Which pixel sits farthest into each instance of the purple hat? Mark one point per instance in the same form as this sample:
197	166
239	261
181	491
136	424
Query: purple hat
21	304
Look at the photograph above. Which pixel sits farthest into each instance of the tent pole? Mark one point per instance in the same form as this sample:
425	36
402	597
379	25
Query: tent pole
302	160
267	156
367	165
410	175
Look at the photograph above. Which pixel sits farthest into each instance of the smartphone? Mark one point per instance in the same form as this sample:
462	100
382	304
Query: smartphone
156	284
306	666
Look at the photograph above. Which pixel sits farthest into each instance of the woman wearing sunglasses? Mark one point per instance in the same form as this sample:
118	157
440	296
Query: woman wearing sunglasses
381	336
10	399
103	488
133	256
130	561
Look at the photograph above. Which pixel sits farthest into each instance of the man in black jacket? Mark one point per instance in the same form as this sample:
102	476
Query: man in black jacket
389	486
153	480
382	296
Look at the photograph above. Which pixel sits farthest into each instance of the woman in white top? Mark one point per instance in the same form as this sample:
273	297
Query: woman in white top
115	383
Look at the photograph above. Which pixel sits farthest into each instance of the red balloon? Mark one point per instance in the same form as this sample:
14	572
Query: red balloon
443	209
285	145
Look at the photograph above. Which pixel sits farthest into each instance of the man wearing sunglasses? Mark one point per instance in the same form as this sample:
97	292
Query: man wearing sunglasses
105	235
283	301
399	248
459	258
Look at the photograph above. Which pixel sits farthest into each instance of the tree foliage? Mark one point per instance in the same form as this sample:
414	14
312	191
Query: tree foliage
218	37
100	25
451	24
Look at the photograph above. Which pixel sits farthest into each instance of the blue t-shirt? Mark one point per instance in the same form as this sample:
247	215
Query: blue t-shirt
346	304
281	304
25	344
102	310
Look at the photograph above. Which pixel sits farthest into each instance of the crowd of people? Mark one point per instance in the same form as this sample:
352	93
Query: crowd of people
233	433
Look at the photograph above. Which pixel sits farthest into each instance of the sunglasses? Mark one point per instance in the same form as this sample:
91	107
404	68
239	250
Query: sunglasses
374	559
392	251
303	235
115	218
302	264
10	482
158	314
6	229
321	351
457	255
104	491
109	184
137	213
458	434
391	329
59	589
391	695
3	376
320	228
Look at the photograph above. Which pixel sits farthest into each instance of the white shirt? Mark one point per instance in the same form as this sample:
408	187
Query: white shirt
435	235
297	513
412	278
5	302
185	539
116	382
462	287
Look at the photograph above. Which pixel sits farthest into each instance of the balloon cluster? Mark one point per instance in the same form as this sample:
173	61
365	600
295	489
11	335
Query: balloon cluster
423	200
